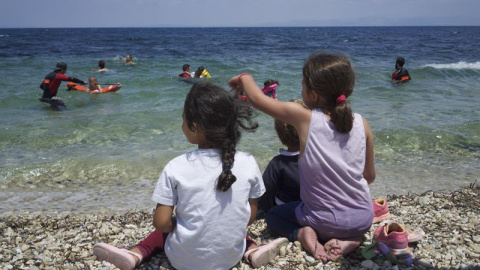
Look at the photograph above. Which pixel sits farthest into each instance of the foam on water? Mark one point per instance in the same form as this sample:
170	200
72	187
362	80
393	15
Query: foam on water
458	65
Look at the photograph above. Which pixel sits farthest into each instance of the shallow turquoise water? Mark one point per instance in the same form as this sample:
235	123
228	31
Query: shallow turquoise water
426	132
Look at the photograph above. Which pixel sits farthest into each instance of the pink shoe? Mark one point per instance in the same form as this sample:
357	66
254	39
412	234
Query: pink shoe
413	235
394	236
380	208
121	258
262	255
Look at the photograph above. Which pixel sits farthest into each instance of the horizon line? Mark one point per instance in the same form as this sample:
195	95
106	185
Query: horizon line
279	26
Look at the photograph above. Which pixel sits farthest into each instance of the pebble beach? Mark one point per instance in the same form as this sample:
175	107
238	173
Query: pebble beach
449	222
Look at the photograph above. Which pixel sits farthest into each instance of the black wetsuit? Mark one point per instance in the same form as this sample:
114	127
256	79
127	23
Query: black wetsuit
52	81
401	75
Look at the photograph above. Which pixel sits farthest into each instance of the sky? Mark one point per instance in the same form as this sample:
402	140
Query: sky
236	13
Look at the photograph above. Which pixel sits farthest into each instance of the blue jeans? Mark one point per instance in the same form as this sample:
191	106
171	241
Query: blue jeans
282	220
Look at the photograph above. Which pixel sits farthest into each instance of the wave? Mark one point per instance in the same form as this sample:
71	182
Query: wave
457	66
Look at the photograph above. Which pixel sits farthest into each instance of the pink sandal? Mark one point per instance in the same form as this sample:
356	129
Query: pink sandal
121	258
262	255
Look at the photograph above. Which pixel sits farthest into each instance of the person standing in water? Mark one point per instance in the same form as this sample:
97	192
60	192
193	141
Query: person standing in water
185	72
401	74
52	81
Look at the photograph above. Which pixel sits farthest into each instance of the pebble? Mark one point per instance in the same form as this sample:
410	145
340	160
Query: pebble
424	264
298	245
283	252
474	247
476	239
52	240
368	264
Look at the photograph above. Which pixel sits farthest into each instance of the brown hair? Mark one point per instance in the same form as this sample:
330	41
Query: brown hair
400	61
330	76
287	133
270	82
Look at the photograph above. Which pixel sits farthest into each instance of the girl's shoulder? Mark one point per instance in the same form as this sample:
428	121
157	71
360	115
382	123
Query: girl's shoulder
244	159
240	154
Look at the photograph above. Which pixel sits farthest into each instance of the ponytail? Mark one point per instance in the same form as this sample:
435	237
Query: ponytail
342	117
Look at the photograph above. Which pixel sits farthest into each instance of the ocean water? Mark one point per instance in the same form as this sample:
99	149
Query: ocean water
107	150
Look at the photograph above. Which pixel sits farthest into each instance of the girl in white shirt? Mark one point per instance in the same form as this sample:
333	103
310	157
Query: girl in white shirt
213	190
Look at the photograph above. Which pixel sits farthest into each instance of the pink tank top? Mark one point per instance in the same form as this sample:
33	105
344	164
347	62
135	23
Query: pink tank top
335	197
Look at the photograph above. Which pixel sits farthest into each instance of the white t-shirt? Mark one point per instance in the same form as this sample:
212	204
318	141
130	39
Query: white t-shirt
211	225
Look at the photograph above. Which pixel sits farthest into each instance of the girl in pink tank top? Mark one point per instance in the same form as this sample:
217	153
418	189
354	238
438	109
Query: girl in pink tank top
336	159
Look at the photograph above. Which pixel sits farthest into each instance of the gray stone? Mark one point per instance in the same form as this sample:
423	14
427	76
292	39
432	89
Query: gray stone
368	264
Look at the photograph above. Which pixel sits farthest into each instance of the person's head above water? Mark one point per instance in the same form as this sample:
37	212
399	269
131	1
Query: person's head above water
101	64
400	62
61	66
92	83
199	72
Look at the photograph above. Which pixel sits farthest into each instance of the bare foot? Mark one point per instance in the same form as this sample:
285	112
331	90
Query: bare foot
308	238
337	248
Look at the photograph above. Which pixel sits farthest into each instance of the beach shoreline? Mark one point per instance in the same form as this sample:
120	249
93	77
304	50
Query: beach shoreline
450	222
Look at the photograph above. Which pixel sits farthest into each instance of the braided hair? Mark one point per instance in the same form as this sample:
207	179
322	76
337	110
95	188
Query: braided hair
219	116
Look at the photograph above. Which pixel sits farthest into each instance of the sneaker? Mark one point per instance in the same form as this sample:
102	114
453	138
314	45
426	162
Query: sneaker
380	208
394	236
413	235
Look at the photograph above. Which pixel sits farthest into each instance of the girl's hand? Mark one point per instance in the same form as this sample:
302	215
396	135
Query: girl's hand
234	82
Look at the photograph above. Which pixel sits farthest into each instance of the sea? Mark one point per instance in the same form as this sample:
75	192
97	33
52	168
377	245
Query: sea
106	151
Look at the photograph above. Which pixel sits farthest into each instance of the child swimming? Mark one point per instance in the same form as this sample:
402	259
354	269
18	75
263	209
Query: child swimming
270	88
93	86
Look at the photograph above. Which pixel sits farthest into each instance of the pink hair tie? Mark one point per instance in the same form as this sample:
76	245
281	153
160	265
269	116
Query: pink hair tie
341	98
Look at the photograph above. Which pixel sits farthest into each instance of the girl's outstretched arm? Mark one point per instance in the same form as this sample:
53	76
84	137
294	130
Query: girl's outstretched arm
163	220
369	171
288	112
253	210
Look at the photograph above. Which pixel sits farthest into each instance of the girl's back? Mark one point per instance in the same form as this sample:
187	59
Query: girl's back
336	146
332	164
211	225
212	187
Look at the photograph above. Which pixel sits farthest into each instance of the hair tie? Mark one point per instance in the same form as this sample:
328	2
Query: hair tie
341	98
